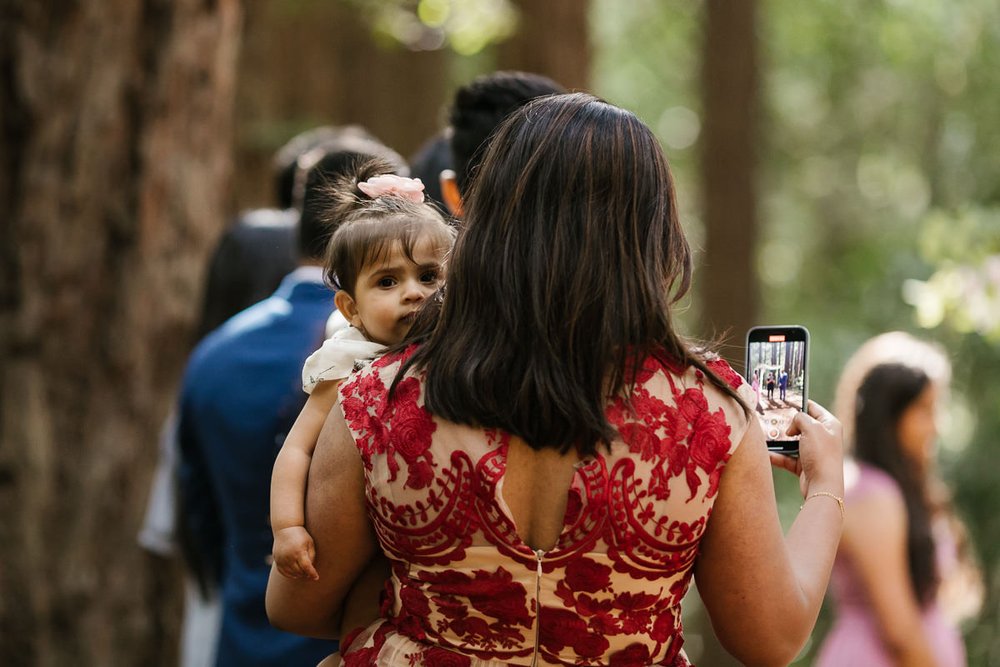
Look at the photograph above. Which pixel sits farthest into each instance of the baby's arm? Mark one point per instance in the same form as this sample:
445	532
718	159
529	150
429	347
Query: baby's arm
293	546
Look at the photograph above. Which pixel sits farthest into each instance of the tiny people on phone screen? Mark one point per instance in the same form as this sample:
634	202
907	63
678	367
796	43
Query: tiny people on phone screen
776	373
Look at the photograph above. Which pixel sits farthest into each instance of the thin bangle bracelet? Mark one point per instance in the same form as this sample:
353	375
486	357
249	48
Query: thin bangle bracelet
840	501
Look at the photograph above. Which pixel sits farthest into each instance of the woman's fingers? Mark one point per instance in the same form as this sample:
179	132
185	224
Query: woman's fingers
824	417
816	414
820	448
785	462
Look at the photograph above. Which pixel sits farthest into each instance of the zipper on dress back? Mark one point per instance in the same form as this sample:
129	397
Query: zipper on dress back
539	554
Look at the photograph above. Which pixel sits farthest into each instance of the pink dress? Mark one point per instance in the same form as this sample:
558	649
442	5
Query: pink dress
854	638
466	591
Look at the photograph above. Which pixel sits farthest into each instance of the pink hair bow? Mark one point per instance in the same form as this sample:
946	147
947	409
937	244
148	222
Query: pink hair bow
398	186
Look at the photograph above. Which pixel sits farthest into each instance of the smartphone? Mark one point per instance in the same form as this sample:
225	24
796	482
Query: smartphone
777	365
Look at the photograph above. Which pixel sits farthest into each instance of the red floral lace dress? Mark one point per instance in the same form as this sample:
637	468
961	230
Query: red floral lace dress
466	591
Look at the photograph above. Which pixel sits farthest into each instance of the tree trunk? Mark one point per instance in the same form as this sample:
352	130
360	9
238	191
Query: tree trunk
552	39
115	166
315	62
728	276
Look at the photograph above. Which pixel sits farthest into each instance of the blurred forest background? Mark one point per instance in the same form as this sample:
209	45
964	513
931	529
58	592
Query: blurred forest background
837	166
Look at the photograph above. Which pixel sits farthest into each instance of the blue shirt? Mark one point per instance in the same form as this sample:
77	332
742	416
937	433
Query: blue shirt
241	393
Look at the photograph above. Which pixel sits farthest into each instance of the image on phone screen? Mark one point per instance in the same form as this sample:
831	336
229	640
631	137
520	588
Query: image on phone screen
776	371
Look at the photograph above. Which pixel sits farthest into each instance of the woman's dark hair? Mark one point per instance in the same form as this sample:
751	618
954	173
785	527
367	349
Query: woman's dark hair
367	228
885	393
562	279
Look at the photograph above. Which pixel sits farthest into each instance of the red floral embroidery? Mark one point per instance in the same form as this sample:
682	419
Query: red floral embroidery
494	593
612	584
367	655
414	602
726	372
633	655
560	628
420	474
409	428
641	440
664	627
690	404
441	657
584	574
574	504
710	446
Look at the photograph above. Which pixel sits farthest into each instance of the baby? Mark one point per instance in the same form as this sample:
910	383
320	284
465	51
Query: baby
385	258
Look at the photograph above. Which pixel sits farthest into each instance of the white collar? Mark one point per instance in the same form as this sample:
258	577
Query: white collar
306	274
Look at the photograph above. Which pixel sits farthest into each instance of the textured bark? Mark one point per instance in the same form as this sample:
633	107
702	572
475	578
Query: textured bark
115	165
728	278
315	62
728	272
553	38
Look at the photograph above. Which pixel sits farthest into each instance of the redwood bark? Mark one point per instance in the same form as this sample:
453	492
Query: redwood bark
727	274
115	168
729	84
317	63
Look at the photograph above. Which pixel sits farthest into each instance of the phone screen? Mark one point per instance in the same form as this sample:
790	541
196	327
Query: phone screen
776	370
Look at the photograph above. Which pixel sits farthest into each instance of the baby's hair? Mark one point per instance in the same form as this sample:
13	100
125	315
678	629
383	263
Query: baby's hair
366	229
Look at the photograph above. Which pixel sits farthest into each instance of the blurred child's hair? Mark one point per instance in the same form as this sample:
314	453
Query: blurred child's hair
366	229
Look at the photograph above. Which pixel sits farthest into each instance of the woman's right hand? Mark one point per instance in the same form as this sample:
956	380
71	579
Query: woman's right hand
820	464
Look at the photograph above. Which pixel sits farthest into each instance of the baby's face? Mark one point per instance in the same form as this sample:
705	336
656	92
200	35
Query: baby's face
388	294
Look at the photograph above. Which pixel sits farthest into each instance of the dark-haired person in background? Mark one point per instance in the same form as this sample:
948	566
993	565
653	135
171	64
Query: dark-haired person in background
431	159
903	575
477	110
258	249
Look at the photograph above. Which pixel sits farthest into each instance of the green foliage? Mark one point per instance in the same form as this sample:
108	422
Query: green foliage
878	169
881	173
465	26
964	292
646	59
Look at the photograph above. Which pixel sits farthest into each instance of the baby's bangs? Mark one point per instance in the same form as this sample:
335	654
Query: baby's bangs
438	232
377	250
383	235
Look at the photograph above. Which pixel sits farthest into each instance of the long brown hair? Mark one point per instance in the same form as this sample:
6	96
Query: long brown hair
884	395
562	280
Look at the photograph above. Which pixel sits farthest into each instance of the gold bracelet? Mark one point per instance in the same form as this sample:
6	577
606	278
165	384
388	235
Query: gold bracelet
840	501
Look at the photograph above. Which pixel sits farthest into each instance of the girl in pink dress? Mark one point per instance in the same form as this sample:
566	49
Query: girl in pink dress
900	549
552	465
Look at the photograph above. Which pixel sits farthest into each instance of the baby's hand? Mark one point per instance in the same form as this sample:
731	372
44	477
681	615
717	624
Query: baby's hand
294	552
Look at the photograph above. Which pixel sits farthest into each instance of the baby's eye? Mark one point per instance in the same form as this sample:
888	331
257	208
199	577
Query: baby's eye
386	282
428	277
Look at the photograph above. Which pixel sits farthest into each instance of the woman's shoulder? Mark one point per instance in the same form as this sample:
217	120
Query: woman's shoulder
876	512
660	359
687	386
864	482
376	377
690	376
723	370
